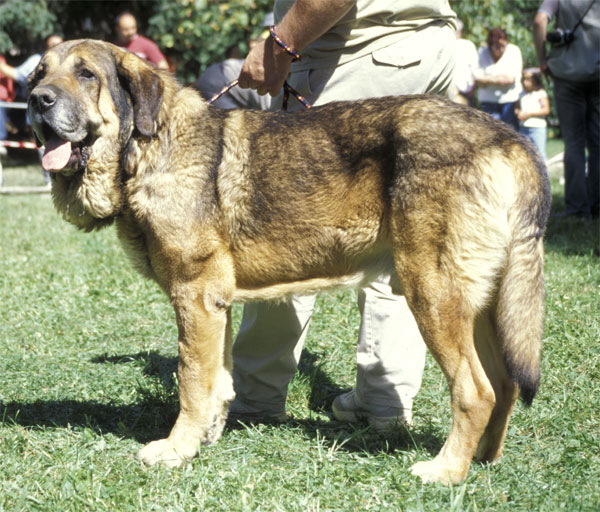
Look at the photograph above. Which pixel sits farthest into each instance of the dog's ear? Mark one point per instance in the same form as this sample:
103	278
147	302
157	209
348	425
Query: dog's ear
145	87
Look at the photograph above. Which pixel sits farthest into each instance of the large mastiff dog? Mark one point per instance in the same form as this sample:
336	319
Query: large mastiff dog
223	206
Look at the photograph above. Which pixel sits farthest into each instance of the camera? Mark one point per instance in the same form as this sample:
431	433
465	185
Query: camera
560	37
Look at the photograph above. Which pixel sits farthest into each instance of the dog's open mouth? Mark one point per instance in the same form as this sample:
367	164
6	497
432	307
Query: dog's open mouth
60	154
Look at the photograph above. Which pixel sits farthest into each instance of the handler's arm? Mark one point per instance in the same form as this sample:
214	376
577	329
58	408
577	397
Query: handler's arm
540	26
267	65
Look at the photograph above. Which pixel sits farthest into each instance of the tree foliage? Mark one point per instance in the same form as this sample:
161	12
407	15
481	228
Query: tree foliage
196	33
17	29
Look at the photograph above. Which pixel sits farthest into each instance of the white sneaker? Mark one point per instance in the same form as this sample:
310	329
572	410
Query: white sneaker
348	407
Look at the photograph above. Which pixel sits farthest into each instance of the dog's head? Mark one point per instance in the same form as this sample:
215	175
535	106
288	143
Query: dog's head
83	90
86	100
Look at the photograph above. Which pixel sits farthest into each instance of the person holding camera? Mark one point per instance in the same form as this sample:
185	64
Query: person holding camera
573	63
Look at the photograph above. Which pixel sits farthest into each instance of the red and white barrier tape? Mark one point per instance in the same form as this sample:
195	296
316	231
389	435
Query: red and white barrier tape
16	144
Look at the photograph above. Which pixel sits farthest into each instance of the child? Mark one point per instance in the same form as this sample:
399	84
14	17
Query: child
532	107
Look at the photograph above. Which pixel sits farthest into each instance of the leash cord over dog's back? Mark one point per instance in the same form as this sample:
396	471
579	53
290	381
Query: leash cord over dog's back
287	88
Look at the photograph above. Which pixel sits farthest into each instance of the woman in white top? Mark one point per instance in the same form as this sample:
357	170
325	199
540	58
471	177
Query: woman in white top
498	77
532	108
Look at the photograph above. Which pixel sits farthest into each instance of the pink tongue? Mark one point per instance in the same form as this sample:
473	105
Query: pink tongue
57	154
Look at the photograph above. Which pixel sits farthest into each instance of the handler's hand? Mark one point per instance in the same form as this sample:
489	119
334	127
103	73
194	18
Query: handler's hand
265	68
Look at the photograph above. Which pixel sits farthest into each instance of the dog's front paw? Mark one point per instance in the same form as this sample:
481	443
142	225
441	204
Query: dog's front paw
435	471
168	452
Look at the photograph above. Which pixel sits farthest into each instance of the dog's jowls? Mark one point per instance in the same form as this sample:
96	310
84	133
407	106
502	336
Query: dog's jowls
222	206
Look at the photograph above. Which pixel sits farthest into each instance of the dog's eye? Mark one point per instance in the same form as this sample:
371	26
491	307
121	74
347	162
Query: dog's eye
86	74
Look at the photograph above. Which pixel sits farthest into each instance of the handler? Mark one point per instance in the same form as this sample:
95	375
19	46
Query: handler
350	50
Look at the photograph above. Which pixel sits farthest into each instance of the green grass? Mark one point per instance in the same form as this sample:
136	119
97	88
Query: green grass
87	355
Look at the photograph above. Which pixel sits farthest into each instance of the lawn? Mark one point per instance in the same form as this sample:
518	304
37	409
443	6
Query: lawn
87	362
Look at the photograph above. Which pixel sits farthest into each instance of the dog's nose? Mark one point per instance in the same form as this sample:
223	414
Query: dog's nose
43	97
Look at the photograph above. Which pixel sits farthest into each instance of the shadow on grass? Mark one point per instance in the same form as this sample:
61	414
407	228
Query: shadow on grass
156	407
571	236
322	389
155	365
145	421
360	438
150	417
352	437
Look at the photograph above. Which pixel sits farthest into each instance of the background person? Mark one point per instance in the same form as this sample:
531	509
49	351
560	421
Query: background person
575	70
532	107
20	73
350	50
498	77
462	89
7	93
128	38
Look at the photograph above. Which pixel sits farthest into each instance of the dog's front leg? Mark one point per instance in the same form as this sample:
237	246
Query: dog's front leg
204	373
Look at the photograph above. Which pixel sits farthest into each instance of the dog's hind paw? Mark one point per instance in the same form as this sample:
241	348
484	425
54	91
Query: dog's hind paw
167	452
435	471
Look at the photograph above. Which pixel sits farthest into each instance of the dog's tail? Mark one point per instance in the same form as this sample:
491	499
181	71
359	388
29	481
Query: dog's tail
520	307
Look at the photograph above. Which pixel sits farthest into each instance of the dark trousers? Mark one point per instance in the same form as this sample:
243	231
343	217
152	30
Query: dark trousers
503	112
578	107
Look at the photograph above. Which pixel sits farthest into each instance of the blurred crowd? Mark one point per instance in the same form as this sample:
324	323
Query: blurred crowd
491	78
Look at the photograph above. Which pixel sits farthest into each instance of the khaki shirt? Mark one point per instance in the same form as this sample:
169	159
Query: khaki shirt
369	26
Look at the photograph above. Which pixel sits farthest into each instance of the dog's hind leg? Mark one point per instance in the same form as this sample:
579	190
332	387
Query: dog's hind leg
446	321
505	389
472	395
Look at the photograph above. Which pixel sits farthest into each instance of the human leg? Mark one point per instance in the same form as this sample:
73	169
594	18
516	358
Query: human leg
493	109
507	114
390	360
593	144
2	123
571	109
2	130
266	352
390	350
538	136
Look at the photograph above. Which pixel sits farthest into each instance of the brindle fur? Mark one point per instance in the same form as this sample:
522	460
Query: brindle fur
223	206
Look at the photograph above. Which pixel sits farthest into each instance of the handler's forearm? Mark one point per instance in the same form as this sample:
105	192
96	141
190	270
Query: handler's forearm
309	19
268	64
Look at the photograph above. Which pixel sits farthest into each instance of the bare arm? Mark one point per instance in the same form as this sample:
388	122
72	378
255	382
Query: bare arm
495	80
163	64
8	71
267	65
540	27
